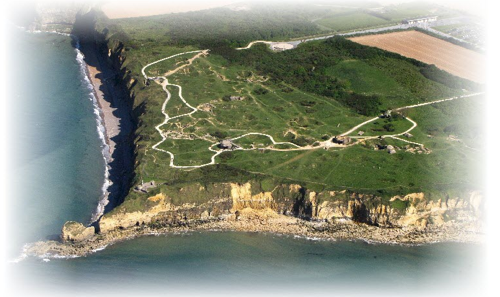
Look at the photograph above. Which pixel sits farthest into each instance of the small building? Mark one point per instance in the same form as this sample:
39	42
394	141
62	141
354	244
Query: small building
342	140
360	133
407	135
387	114
391	150
420	20
145	187
226	144
228	98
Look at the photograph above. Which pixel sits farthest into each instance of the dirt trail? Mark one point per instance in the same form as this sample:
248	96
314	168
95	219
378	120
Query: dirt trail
190	61
163	81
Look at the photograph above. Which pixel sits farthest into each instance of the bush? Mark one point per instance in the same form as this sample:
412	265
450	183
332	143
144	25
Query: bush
302	141
389	127
307	103
260	91
399	204
433	73
367	105
219	135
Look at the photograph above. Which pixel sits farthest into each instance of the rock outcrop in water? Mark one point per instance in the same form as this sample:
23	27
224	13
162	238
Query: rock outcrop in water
74	231
286	209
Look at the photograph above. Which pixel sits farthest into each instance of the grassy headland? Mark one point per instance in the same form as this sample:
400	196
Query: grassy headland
304	95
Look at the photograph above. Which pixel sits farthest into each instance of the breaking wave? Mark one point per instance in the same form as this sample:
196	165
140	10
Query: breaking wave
101	130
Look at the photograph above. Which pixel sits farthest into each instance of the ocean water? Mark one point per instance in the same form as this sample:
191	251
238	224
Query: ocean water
57	173
56	169
224	263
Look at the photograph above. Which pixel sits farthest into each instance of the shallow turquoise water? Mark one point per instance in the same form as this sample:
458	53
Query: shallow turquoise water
57	172
57	169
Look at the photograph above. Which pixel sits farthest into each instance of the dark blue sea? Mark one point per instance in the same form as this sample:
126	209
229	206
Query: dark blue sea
56	174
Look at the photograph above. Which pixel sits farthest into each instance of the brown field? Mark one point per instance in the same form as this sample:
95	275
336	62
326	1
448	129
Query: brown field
447	56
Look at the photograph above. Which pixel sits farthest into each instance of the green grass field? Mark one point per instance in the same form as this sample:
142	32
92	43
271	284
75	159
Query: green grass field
350	21
364	78
448	28
277	112
279	99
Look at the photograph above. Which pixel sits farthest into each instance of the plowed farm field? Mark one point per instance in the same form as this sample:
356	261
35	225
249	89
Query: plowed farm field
447	56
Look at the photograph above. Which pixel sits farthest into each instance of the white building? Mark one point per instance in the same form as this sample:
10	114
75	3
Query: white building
420	20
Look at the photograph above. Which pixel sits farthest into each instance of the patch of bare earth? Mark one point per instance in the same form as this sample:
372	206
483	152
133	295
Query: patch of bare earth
447	56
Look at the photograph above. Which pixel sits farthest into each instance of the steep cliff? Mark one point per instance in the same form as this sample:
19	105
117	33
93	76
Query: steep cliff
294	201
239	202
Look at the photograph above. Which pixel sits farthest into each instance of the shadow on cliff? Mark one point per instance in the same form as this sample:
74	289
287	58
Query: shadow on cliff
116	93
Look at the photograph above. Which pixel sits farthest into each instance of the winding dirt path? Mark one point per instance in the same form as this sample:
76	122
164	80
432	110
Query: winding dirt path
163	81
252	43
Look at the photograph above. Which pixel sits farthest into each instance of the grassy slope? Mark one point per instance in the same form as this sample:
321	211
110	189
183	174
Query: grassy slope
351	21
367	16
360	168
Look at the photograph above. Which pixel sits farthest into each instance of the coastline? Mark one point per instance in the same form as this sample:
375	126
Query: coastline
257	221
111	110
102	127
114	126
105	120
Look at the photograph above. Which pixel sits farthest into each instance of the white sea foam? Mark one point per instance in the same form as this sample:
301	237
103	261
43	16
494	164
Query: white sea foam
99	249
56	256
101	130
22	256
51	32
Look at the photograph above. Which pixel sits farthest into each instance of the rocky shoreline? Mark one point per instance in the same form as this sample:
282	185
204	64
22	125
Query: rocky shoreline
263	213
288	209
349	231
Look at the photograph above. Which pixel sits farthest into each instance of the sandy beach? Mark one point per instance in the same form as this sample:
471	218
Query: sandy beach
114	104
111	122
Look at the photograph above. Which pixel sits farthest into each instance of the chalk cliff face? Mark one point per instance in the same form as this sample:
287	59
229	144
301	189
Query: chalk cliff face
295	201
419	213
74	231
286	209
129	219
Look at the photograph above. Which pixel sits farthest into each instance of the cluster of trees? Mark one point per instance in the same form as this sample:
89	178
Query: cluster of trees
220	135
306	68
433	73
260	91
363	104
228	26
300	140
